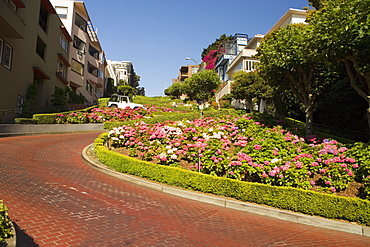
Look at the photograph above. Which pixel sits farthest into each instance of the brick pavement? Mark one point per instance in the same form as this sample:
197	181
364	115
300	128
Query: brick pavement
56	199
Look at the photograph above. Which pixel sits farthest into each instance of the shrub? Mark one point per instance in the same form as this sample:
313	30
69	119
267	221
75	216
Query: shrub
5	226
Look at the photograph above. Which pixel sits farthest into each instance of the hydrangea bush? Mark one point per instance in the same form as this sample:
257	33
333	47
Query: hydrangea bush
241	148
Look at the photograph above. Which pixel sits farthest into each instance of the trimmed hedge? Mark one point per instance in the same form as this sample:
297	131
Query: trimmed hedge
47	118
298	200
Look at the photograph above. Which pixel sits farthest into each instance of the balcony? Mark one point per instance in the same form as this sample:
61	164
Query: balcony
12	24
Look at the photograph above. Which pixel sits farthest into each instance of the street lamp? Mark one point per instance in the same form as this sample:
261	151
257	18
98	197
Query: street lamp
196	61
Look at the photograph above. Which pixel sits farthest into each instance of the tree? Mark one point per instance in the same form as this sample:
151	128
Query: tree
201	85
140	91
111	89
127	90
249	85
342	29
288	59
176	90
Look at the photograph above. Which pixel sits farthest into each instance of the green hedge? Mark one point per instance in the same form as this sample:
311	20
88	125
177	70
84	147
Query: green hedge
298	200
5	226
47	118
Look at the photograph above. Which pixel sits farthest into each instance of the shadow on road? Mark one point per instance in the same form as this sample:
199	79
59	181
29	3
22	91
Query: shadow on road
23	239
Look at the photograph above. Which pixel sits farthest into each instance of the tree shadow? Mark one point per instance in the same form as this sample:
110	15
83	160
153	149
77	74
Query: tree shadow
23	239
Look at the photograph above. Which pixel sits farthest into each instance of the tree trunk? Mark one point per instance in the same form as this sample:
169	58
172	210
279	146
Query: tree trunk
368	115
309	115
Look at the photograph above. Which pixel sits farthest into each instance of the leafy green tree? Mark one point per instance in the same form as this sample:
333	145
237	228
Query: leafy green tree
288	59
30	106
140	91
111	89
342	29
175	90
60	98
126	90
201	86
248	86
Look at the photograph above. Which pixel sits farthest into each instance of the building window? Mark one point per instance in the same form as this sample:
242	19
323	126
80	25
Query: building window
1	50
194	70
7	55
88	87
62	12
80	22
77	67
100	73
250	65
40	47
93	52
79	44
11	4
20	103
43	18
62	69
63	42
92	70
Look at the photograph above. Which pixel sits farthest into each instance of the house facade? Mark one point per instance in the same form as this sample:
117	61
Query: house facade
122	71
228	51
245	60
86	56
33	51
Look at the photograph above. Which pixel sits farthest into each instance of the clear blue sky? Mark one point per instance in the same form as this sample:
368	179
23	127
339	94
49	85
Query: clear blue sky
157	36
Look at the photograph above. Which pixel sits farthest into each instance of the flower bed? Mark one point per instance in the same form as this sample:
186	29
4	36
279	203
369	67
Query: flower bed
104	114
298	200
244	149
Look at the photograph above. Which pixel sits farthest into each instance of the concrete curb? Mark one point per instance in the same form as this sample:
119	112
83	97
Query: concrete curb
7	130
89	156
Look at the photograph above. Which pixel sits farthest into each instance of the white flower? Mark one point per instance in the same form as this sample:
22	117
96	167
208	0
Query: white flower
274	160
173	156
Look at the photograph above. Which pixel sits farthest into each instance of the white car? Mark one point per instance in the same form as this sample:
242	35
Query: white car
120	101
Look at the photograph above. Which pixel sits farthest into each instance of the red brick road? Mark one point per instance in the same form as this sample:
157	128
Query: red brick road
56	199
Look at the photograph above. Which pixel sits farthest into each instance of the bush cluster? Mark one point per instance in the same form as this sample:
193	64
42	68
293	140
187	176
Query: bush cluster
5	226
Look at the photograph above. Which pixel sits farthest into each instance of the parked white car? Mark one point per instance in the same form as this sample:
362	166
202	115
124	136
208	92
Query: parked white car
120	101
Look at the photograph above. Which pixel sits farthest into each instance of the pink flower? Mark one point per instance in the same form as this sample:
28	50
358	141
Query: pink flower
257	147
327	182
355	166
298	164
332	189
264	175
312	182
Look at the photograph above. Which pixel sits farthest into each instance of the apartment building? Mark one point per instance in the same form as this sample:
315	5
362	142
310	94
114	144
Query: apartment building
123	71
187	71
86	56
33	51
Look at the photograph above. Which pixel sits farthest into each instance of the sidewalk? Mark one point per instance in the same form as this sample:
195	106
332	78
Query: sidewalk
338	225
45	129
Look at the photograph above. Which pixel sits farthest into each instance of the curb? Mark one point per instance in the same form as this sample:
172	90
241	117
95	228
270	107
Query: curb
88	155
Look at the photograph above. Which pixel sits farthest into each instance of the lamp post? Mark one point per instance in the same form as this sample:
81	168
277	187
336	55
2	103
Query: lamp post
196	61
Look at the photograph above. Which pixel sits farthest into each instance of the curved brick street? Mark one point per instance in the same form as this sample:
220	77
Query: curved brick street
55	198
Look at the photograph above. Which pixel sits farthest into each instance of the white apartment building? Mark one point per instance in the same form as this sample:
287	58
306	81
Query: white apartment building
123	70
86	56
